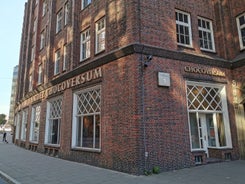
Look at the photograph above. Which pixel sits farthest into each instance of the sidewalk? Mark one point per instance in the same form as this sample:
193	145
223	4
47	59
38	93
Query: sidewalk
25	167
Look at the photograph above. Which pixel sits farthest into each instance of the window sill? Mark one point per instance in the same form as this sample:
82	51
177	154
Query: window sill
86	149
206	50
51	145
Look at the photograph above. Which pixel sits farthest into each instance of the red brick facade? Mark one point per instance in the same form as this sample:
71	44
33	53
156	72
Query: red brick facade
142	124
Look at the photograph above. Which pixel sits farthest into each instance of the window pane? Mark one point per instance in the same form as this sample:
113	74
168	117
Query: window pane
88	131
194	131
221	129
97	131
210	130
79	132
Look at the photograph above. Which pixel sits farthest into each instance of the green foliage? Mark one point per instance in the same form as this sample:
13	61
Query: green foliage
2	119
156	170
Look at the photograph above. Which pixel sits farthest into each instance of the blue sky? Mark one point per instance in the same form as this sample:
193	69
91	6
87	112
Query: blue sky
11	18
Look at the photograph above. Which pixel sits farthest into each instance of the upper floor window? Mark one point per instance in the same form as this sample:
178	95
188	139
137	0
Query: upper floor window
42	41
57	62
40	74
85	45
206	37
65	58
30	82
32	53
35	25
241	30
66	13
85	3
44	10
183	28
100	35
58	21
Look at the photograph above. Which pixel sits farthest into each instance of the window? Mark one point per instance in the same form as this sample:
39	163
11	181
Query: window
85	3
183	28
206	37
241	30
24	124
86	119
42	41
17	124
66	14
54	111
100	35
30	82
40	74
44	10
57	62
35	123
58	21
35	25
32	53
208	116
65	58
85	45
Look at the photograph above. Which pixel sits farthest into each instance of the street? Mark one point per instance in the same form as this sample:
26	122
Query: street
22	166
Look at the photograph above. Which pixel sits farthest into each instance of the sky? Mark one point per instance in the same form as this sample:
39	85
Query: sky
11	18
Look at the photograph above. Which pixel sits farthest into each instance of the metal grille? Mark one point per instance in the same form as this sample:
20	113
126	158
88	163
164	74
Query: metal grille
204	98
55	108
88	102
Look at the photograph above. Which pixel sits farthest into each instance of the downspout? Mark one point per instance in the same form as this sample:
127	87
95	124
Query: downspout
145	153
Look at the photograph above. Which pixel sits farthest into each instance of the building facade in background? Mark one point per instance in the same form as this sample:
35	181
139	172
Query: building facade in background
13	96
129	85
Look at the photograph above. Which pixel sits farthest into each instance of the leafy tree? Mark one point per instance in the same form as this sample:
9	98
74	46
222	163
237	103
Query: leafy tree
2	119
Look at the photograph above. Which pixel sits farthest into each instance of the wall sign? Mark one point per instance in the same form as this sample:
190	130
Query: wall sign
163	79
204	71
69	83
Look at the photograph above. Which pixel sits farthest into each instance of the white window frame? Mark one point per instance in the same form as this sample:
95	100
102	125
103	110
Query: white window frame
57	62
85	3
30	82
35	25
32	53
100	33
17	124
44	8
207	31
224	112
24	124
42	40
65	58
66	14
59	21
85	45
35	120
75	122
240	28
184	24
51	117
40	74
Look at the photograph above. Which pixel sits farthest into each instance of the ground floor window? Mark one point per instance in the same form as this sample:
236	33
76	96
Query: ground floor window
54	111
208	116
24	124
86	119
35	123
17	125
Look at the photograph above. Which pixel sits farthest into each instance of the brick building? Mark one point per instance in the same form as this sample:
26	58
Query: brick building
129	85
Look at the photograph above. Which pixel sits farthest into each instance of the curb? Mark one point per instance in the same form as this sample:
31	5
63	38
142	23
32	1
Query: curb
8	179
